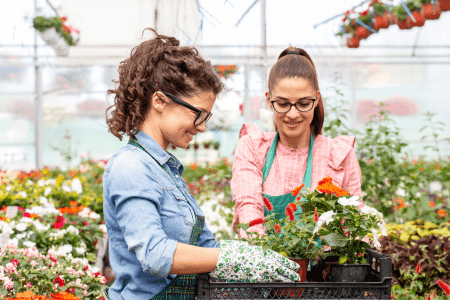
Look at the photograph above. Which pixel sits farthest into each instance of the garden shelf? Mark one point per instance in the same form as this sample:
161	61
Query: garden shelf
376	286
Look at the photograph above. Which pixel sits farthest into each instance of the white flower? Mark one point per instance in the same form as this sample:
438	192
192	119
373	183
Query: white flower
400	192
94	215
47	191
354	201
76	186
29	182
370	210
66	188
382	229
50	181
41	182
6	228
14	241
8	188
44	200
22	194
21	226
41	227
21	235
72	229
26	220
102	227
435	186
324	218
29	244
80	250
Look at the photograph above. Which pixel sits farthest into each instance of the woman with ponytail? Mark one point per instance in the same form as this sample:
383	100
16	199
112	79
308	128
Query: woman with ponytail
272	164
157	237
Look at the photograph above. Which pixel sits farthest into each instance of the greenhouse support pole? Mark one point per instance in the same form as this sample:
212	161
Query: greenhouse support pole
264	44
38	134
247	106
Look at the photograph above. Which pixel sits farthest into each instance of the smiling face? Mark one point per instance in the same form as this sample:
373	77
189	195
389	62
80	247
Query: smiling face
173	123
293	126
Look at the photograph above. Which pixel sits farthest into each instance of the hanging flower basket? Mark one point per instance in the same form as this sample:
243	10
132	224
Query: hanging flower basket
361	32
225	71
420	20
353	42
430	11
445	5
56	33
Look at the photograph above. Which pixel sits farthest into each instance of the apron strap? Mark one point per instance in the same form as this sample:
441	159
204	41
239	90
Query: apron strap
270	158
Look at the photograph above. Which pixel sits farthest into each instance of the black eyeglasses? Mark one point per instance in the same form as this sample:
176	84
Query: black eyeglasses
202	116
282	106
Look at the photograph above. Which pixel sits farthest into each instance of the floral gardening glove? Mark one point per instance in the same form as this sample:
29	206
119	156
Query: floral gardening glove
239	261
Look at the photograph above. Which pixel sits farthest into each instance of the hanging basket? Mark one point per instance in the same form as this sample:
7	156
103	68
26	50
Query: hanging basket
420	20
403	24
54	40
50	36
445	5
430	11
353	42
361	32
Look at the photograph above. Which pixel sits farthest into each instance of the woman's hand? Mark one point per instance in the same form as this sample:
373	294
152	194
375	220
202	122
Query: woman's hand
239	261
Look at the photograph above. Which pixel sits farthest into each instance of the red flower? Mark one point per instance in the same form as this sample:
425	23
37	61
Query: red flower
256	222
85	267
298	199
59	281
267	203
417	270
293	206
316	215
21	208
15	262
444	287
26	215
290	213
97	274
277	228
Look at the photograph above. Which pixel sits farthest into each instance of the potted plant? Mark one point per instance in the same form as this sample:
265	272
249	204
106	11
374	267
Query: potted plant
216	145
445	5
207	144
56	33
414	7
400	17
353	42
431	11
344	225
381	16
196	146
225	71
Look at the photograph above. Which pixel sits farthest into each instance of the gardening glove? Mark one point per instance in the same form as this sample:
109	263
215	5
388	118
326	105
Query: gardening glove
239	261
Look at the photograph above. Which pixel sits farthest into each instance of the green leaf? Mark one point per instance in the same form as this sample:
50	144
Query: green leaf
335	240
343	259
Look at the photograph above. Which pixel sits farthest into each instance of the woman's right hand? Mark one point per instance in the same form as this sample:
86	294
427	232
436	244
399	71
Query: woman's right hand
239	261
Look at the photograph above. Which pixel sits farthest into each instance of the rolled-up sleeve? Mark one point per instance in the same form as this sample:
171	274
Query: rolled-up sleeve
246	186
206	239
138	216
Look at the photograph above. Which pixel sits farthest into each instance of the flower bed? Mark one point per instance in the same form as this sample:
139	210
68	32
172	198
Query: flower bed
25	273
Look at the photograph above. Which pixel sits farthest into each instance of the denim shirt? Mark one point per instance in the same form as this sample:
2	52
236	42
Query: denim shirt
146	215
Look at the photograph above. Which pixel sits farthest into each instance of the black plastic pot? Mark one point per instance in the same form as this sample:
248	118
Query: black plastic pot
348	273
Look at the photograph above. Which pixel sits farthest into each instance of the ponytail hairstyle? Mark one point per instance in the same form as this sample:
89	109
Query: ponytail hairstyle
296	63
159	64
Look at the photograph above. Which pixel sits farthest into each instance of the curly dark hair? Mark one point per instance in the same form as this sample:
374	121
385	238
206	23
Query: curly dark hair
159	64
296	63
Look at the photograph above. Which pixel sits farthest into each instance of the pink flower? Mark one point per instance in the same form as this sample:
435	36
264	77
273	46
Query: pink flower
28	285
78	281
10	267
85	293
89	272
34	263
44	268
8	283
70	270
80	273
103	280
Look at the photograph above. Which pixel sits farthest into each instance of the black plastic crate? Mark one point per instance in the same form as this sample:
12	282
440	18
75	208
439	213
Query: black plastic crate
376	286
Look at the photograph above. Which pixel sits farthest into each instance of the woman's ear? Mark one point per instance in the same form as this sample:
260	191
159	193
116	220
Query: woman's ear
157	101
268	100
318	97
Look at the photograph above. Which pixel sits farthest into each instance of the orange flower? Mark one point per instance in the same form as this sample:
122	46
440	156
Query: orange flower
298	199
277	228
64	296
73	203
400	203
326	186
73	174
222	69
297	190
438	167
193	166
442	213
325	180
3	208
432	204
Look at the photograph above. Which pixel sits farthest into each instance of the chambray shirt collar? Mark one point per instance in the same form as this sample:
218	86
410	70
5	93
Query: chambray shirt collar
152	147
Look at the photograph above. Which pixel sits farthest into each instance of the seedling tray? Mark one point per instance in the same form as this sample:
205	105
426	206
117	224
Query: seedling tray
377	285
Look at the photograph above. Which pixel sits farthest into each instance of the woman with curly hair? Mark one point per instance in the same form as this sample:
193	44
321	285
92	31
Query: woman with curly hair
157	236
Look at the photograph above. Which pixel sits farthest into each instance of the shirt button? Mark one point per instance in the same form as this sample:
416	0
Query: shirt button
176	175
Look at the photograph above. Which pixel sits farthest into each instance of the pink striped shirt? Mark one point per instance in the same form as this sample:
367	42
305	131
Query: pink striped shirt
331	157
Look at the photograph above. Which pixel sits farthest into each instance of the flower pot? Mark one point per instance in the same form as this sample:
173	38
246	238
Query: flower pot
361	32
379	22
50	36
303	262
353	42
445	5
61	48
206	146
347	272
403	24
216	147
420	20
390	18
430	11
196	146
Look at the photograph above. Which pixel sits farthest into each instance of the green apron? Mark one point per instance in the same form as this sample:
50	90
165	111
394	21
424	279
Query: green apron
182	287
282	201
